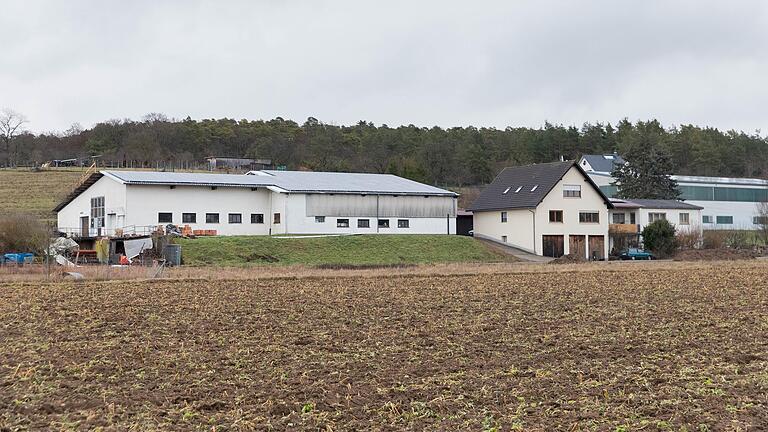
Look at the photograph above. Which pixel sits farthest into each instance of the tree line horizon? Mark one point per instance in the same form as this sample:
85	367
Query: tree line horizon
455	156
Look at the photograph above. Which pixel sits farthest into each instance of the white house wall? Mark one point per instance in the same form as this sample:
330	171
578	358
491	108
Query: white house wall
518	228
590	201
114	193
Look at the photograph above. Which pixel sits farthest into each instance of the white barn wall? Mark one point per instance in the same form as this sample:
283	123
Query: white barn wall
114	194
145	202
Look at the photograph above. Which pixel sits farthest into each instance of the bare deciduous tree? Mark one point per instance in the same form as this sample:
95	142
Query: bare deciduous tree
762	221
11	125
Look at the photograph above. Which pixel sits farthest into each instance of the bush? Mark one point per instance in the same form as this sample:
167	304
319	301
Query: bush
691	239
659	238
22	233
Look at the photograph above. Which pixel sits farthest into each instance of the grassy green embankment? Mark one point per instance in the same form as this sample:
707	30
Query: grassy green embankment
344	250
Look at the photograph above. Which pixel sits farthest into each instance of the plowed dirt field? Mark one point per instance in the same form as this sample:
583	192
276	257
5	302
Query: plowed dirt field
606	349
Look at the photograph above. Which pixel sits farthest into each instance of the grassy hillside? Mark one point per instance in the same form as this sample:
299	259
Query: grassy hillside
345	250
35	193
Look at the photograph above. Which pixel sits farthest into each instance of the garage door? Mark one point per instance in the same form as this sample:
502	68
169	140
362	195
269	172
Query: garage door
596	247
553	246
577	245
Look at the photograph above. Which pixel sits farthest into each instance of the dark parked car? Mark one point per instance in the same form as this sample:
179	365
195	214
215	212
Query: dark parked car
636	254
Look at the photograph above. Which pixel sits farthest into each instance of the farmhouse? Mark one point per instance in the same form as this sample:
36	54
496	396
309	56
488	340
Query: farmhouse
258	203
548	209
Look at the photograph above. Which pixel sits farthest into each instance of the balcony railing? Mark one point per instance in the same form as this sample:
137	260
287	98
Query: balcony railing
127	231
623	228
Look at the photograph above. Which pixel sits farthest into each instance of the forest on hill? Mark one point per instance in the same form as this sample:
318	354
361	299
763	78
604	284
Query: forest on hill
457	156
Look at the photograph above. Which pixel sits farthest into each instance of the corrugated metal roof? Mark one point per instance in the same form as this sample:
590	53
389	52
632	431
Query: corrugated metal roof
290	181
523	187
334	182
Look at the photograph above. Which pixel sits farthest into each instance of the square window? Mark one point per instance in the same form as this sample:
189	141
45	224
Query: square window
363	223
725	220
556	216
653	217
571	191
319	219
403	223
383	223
685	219
619	218
503	217
235	218
189	217
165	217
257	218
342	223
706	219
760	220
589	217
276	218
212	218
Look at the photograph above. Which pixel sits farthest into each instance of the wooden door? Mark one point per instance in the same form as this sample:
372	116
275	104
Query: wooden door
84	228
577	245
553	246
596	247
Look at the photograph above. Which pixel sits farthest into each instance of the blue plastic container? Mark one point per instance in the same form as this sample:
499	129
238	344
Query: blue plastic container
20	258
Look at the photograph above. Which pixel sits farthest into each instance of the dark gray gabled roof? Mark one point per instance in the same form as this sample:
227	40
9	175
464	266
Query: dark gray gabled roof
526	186
604	163
655	204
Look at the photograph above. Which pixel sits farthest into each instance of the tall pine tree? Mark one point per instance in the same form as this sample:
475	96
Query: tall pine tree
646	175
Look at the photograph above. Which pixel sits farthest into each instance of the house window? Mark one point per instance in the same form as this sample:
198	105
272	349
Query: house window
363	223
653	217
165	217
97	212
504	239
383	223
589	217
725	220
342	223
619	218
571	191
556	216
319	219
235	218
276	218
706	219
503	217
403	223
212	218
685	219
760	220
189	217
257	218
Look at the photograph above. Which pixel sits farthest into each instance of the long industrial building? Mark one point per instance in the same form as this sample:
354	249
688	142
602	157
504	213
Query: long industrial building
727	203
258	203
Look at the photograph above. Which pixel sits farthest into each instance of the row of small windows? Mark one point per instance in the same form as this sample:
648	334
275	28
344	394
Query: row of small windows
213	218
709	193
366	223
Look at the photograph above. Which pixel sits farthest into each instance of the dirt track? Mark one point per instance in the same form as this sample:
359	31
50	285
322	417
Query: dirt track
598	348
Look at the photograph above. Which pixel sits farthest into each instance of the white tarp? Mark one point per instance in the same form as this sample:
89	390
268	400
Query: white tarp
134	247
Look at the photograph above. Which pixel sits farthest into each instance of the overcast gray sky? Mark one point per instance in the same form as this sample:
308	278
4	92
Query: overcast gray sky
447	63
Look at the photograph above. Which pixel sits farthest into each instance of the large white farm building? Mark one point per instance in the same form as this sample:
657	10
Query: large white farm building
257	203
